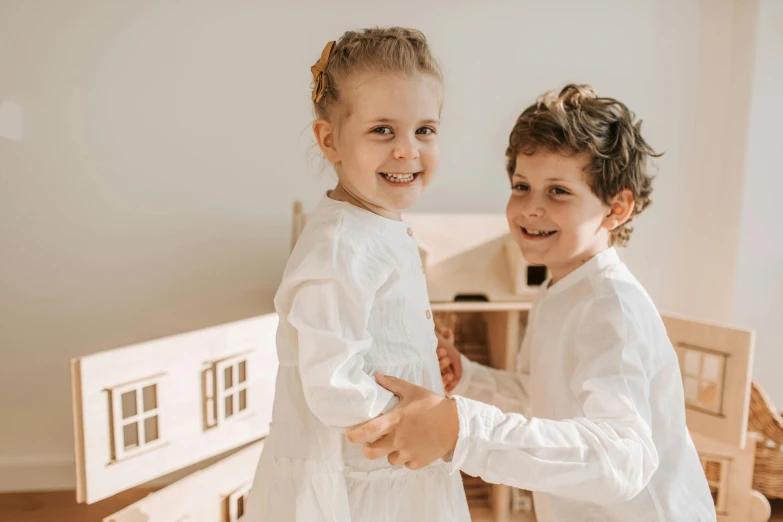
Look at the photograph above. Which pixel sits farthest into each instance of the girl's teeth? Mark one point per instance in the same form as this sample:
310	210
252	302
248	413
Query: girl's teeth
399	178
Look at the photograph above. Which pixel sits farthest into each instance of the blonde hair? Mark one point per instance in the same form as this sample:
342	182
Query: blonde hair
382	50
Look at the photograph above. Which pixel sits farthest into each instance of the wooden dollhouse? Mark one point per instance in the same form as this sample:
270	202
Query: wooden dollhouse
150	409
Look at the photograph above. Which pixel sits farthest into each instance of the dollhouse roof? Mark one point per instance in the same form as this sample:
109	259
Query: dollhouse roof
470	256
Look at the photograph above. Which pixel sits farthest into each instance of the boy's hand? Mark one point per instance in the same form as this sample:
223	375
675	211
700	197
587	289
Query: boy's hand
422	428
449	359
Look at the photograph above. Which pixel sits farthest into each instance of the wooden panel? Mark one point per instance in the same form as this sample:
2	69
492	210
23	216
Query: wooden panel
118	443
467	255
733	479
716	363
206	495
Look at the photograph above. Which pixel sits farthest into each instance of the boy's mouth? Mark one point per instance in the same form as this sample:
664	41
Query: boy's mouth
400	177
532	233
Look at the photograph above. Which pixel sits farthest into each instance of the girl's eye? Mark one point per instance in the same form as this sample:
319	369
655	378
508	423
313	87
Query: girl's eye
558	191
425	130
383	129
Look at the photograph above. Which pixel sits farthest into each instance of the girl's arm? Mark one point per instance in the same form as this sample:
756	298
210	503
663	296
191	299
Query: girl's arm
332	293
605	456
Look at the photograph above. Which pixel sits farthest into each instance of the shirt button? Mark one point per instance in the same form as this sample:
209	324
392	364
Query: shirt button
410	232
429	314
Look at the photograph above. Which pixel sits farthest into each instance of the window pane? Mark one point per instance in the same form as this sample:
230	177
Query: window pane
708	395
692	360
691	390
150	394
242	400
242	371
713	367
229	402
130	433
128	404
151	429
228	377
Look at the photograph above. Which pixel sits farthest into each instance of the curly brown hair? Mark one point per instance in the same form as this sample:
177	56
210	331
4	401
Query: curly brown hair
383	50
575	120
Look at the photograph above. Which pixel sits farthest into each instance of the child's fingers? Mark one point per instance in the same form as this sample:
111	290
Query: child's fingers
444	362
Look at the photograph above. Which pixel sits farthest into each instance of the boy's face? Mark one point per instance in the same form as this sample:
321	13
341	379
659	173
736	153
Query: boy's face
553	214
386	150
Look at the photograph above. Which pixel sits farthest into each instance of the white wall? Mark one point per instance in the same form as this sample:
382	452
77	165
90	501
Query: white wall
758	302
166	141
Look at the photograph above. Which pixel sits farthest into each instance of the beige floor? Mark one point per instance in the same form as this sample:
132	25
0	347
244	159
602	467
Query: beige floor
60	506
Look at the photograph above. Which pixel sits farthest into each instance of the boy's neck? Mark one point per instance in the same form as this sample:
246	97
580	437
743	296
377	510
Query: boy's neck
562	271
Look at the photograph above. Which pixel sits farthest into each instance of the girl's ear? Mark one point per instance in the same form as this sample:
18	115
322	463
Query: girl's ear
620	210
325	136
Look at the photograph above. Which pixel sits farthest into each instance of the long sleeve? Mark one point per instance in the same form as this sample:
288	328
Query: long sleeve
330	313
506	390
606	455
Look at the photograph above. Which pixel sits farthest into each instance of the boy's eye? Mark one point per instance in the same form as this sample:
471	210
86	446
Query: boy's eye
559	191
519	186
383	129
425	130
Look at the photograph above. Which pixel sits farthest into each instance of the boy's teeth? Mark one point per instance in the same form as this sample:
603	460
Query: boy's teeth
537	232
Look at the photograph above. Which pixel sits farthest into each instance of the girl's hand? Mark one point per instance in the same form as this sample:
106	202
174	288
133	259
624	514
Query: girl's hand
422	428
449	359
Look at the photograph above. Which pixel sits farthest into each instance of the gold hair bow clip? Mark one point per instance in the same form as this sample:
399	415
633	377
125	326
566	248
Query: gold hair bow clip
319	72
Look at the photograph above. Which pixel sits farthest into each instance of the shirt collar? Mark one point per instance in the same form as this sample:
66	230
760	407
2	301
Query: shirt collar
591	267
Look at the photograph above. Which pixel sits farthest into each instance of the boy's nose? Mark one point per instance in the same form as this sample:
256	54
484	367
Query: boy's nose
532	206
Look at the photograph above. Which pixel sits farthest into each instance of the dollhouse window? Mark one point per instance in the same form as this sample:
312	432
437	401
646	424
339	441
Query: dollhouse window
236	504
226	390
135	417
703	374
716	470
536	275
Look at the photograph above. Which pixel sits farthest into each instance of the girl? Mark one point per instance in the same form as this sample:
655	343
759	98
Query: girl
353	298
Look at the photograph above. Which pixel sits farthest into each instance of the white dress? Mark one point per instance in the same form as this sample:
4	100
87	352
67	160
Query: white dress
353	300
593	420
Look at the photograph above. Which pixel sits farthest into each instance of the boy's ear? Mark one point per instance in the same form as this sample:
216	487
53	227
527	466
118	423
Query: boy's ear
620	209
324	135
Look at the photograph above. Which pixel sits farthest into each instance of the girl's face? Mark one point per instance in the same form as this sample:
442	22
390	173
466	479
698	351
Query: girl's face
386	150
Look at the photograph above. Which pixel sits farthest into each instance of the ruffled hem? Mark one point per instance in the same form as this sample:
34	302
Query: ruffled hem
290	490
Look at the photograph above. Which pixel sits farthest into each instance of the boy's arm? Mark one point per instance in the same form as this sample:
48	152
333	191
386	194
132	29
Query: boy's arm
503	389
604	456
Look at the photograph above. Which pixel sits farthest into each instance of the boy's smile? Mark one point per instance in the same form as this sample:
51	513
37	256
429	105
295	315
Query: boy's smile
553	214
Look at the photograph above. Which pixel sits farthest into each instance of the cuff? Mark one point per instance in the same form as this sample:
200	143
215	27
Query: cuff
460	453
464	382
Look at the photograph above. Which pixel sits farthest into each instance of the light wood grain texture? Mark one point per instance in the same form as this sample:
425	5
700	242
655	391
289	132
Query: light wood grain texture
121	444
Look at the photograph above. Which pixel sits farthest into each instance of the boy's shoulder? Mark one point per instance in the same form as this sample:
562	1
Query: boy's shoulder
615	290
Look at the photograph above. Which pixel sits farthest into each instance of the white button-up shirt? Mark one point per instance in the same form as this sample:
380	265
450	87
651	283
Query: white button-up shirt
593	420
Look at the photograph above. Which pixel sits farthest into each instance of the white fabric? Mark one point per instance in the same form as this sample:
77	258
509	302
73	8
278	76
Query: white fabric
353	299
593	421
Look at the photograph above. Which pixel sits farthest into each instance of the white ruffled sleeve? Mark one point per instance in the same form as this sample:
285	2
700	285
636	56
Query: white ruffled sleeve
331	313
605	456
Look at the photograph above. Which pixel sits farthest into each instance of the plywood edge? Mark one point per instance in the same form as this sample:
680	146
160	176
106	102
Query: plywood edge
78	431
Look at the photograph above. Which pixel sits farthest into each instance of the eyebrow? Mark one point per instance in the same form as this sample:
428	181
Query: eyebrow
556	180
388	120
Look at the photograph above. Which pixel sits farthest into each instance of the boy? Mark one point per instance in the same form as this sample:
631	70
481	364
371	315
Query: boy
593	421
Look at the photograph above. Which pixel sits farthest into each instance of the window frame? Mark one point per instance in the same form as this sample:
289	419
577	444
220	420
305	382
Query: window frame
117	423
